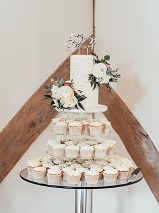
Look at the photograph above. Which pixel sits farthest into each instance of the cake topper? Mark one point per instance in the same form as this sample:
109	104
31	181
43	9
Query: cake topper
77	41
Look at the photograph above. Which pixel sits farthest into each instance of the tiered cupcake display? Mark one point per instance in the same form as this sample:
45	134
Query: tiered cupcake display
80	152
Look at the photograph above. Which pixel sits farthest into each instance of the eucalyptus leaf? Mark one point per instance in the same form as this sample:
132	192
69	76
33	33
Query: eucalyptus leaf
48	96
106	57
47	86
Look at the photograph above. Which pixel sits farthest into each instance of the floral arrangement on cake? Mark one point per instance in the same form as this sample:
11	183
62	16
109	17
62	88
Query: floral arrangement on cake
63	96
102	73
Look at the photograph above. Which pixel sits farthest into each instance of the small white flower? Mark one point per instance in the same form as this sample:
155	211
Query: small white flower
99	70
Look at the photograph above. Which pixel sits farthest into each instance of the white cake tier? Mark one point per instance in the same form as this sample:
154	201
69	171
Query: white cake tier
80	67
92	95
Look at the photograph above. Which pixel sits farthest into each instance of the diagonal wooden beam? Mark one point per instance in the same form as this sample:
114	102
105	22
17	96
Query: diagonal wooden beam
135	138
28	123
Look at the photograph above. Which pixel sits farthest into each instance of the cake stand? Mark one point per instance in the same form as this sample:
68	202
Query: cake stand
98	108
83	191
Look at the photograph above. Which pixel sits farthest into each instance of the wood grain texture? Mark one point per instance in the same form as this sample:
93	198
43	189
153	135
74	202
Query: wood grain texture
135	138
29	122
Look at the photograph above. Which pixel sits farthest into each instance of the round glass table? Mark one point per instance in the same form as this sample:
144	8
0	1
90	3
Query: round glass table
83	191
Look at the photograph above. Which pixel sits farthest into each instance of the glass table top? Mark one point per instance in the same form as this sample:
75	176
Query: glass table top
82	184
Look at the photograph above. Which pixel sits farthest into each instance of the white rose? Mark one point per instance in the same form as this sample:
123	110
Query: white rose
70	102
54	91
99	70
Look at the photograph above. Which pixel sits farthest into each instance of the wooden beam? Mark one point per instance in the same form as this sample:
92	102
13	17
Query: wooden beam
94	17
135	138
29	122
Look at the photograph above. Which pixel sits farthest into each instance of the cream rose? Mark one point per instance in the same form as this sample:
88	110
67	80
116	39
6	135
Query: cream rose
99	70
65	92
70	102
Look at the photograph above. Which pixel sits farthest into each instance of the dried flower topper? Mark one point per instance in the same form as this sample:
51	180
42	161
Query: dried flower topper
63	96
77	41
102	73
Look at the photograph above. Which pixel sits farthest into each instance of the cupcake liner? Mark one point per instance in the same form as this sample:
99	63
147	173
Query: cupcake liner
71	153
38	175
100	152
111	150
30	170
75	130
58	151
61	130
95	130
110	178
91	179
86	153
73	179
123	175
53	178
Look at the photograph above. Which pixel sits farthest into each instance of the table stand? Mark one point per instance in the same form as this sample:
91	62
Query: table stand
83	200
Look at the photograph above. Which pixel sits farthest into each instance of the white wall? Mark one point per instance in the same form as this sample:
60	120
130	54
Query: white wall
129	31
33	33
32	36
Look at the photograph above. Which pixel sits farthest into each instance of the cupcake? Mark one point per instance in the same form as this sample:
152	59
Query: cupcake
111	147
82	170
123	172
91	177
110	174
61	128
126	162
100	150
86	151
50	144
31	165
97	169
75	128
58	150
72	151
95	128
65	170
85	128
53	175
106	125
54	122
73	177
39	173
47	165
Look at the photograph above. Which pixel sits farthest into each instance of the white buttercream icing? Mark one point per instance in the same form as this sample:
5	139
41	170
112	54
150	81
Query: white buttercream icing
33	163
39	169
